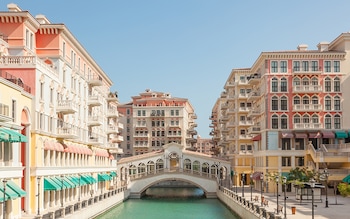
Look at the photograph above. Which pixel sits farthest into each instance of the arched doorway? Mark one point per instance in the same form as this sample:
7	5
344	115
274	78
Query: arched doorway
174	161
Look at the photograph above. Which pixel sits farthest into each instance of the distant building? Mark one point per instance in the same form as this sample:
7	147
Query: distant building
154	119
204	145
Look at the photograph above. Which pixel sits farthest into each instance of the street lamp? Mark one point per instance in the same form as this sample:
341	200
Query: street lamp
262	184
277	179
326	175
312	185
285	197
4	181
251	187
62	191
243	175
38	179
236	183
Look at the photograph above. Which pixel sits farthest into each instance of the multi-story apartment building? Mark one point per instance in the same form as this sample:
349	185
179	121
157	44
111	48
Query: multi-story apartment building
298	111
72	124
205	146
154	119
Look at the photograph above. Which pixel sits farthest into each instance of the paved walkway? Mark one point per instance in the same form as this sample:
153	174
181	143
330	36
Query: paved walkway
338	207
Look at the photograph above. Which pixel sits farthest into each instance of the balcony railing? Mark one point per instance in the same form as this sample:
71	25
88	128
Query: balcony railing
67	131
67	107
307	88
15	80
95	80
307	107
308	125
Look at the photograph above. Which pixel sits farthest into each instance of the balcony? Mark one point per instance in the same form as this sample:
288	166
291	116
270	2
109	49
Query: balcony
117	139
95	140
66	107
307	107
112	96
307	88
230	84
254	130
112	129
94	100
245	123
67	131
224	106
254	79
191	132
114	148
14	79
308	126
94	120
193	116
120	126
191	140
223	94
253	96
95	80
254	112
112	112
4	113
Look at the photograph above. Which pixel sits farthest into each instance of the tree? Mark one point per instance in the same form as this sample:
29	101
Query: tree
344	189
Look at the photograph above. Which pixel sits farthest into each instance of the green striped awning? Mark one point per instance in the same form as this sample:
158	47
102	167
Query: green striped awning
9	193
103	177
113	174
9	135
70	182
340	134
16	188
51	185
88	179
60	181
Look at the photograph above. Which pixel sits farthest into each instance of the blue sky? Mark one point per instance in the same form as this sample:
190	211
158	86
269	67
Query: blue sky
189	47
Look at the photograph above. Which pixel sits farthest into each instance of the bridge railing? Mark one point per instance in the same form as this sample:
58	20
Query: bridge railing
189	172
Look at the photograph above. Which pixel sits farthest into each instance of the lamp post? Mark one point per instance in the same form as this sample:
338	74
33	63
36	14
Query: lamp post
277	179
62	191
312	185
79	187
38	179
4	181
262	184
243	175
251	187
236	183
326	175
285	197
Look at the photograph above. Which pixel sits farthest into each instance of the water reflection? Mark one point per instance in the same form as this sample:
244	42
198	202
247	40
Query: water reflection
159	192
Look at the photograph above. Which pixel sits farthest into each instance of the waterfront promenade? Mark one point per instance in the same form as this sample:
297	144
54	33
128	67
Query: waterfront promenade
338	207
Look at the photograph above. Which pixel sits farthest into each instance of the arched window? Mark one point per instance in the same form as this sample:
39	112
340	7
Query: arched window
284	122
274	103
196	166
327	85
306	119
296	81
336	103
274	122
306	100
337	123
297	119
314	81
150	167
205	168
141	168
296	100
314	100
284	86
306	81
328	122
315	119
284	103
328	103
159	165
274	85
336	84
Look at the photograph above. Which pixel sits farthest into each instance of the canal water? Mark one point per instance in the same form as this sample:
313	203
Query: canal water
171	203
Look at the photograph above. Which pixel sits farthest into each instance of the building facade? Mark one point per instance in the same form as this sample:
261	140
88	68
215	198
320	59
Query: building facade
154	119
295	112
69	115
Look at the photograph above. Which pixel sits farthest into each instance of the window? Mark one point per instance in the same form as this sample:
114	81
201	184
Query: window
128	111
328	122
138	112
306	81
314	65
286	144
327	84
296	66
177	112
314	100
305	65
306	100
299	161
306	119
274	85
274	66
284	122
337	103
283	66
328	103
337	124
64	50
336	66
299	144
284	103
296	100
14	109
327	66
274	103
286	161
274	122
296	81
283	85
242	147
41	90
336	84
315	119
314	81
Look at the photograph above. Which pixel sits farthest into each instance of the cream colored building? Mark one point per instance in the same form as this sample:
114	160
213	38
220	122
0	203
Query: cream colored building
154	119
72	124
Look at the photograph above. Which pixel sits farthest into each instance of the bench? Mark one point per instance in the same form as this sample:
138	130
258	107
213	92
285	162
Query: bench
278	209
266	203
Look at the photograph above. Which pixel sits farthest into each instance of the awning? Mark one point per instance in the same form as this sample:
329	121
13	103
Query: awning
340	134
102	153
103	177
256	175
9	135
256	138
9	193
327	134
64	182
285	174
50	185
16	188
287	135
88	179
315	135
346	179
300	135
113	174
70	182
59	147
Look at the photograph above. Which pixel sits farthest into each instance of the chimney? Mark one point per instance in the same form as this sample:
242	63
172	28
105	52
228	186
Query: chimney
323	46
302	47
13	7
